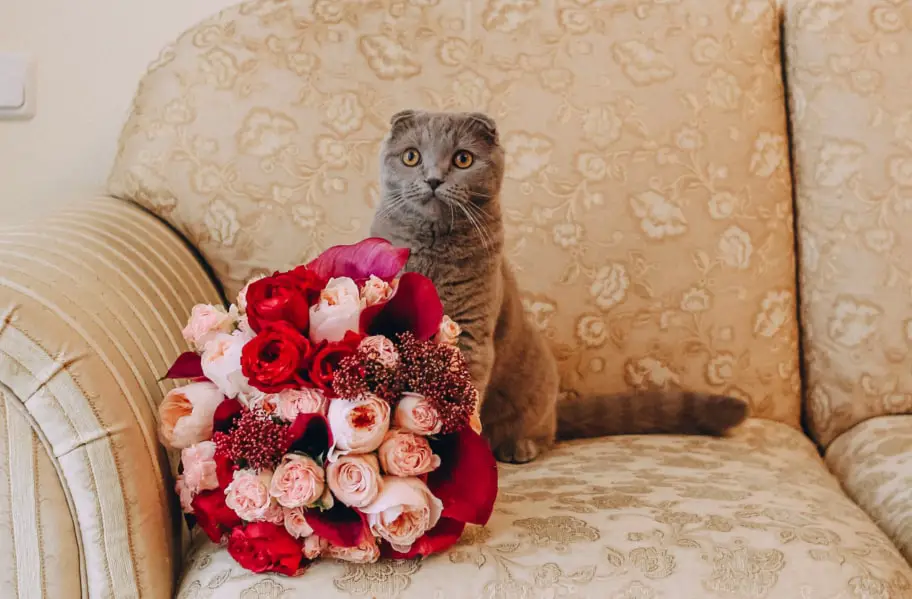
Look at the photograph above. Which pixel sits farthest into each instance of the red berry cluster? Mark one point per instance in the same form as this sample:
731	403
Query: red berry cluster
255	441
363	373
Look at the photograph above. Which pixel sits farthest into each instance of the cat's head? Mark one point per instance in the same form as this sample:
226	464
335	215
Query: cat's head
431	162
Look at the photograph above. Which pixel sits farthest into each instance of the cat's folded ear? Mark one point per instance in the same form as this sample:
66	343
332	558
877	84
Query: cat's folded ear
485	124
402	119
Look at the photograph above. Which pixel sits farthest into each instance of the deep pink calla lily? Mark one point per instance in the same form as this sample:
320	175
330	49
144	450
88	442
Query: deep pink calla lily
188	365
373	256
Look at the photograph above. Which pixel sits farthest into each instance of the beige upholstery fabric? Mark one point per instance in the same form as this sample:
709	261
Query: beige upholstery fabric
91	306
851	98
647	190
755	516
874	463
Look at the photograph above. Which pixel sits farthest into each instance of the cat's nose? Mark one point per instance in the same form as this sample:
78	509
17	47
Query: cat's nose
434	183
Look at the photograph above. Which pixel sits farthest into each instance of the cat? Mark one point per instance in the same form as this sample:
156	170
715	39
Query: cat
441	176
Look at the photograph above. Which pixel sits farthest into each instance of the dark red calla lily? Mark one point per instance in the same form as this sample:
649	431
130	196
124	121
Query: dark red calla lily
310	434
466	481
443	536
373	256
188	365
225	415
341	526
415	307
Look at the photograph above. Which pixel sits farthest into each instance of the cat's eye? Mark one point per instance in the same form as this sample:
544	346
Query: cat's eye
411	157
463	159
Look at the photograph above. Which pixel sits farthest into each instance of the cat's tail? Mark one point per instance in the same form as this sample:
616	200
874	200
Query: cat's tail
654	412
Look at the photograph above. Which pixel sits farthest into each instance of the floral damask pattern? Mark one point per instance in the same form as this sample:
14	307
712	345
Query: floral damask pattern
756	516
647	191
851	100
874	463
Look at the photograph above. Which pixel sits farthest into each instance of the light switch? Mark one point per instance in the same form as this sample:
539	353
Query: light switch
17	88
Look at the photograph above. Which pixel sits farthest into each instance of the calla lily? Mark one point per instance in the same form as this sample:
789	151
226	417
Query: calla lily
373	256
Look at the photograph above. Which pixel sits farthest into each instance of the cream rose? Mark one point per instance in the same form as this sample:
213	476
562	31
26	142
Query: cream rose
206	321
298	481
248	495
357	425
404	510
449	331
416	414
295	523
314	546
375	291
354	479
366	553
381	349
338	311
292	402
221	361
406	454
186	414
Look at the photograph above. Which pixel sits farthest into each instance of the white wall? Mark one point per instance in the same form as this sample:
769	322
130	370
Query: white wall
90	55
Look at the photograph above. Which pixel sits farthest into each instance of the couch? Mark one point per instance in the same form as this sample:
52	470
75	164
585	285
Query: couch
711	194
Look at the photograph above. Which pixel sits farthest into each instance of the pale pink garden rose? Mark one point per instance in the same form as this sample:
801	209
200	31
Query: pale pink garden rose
199	468
248	495
338	311
314	546
185	494
298	481
449	331
296	524
186	414
206	321
221	361
275	514
292	402
357	425
404	510
406	454
242	295
366	553
384	350
354	479
416	414
375	291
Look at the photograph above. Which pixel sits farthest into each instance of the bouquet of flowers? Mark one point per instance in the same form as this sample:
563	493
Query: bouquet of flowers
329	413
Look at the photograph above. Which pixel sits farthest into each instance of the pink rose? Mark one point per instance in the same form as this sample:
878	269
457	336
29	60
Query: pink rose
416	414
221	361
291	402
338	312
354	479
296	524
406	454
248	495
314	546
199	467
404	510
366	553
375	291
186	414
206	321
449	331
380	349
297	482
357	425
185	494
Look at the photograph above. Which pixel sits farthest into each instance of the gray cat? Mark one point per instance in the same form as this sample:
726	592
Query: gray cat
441	177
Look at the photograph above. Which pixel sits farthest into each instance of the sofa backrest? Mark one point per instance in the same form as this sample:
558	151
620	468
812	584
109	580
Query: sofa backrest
850	83
648	196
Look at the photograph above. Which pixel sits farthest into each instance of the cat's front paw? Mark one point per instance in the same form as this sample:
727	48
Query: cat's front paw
520	451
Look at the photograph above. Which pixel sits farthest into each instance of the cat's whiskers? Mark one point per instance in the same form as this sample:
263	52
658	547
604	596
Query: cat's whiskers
483	236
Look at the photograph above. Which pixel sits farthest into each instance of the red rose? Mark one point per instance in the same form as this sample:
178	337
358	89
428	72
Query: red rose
271	360
266	547
325	359
212	515
285	296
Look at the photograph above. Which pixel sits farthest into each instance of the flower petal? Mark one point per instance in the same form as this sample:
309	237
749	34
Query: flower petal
225	414
310	434
415	307
443	536
188	365
373	256
466	481
341	526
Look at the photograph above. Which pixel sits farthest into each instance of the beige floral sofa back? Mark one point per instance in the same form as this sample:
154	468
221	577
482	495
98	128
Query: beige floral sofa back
647	191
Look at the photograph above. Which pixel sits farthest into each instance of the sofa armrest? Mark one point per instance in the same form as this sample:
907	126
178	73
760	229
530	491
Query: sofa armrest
92	302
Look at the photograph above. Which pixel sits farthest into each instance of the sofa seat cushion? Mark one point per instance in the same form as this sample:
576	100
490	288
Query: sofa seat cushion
756	515
874	463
